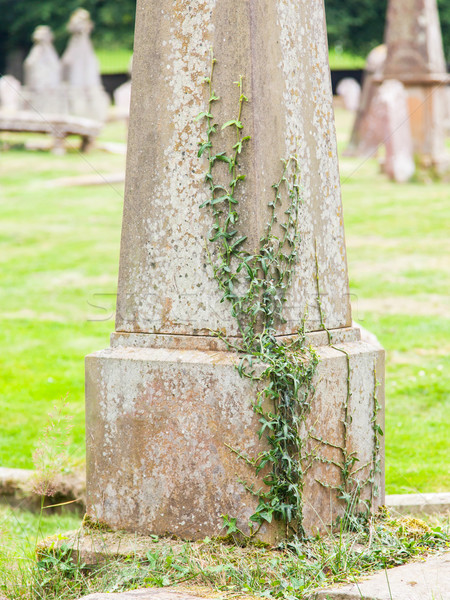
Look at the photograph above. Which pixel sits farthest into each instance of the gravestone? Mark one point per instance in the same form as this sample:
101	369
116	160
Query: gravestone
122	97
350	91
415	57
373	68
389	126
11	98
165	404
43	90
81	72
399	159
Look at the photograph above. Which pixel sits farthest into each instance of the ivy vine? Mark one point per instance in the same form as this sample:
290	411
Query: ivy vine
255	285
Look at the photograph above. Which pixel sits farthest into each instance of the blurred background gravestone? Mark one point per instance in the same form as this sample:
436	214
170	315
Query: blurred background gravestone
81	73
391	108
165	403
350	91
122	97
43	90
11	97
414	57
373	68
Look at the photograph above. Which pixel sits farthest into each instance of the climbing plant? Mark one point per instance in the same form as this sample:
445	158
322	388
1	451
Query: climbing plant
255	285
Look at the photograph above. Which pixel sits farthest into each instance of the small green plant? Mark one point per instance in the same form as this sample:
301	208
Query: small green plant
50	457
293	570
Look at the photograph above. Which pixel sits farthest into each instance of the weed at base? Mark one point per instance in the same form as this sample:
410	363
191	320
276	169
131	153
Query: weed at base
292	570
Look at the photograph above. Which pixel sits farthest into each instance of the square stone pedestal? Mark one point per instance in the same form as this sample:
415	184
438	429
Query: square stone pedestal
161	420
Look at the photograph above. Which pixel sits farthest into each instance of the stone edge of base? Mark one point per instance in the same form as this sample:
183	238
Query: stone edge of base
419	503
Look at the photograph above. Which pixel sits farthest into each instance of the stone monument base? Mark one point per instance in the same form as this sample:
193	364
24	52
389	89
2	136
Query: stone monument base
162	422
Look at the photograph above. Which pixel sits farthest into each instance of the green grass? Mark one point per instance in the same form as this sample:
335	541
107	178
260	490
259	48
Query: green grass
58	260
21	529
113	60
398	248
341	59
207	567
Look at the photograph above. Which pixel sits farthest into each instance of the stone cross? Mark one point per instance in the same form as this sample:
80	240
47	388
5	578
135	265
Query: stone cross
165	403
81	72
42	73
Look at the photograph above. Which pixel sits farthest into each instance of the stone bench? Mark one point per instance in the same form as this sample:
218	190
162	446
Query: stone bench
58	126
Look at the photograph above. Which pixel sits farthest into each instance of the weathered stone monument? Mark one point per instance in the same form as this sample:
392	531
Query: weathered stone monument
389	126
81	72
350	91
167	411
11	98
415	57
122	96
43	90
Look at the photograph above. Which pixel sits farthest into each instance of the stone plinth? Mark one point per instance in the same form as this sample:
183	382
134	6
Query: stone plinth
162	422
165	404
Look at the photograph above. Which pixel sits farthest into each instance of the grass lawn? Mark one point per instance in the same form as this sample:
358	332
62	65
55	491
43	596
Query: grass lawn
58	261
113	60
58	265
341	59
398	247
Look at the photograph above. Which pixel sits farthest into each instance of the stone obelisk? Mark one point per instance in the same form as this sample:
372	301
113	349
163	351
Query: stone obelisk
165	402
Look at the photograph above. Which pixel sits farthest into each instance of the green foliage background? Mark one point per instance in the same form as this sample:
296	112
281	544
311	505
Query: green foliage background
358	25
354	25
114	22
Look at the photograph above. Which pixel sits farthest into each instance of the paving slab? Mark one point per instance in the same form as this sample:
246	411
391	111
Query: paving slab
145	594
428	579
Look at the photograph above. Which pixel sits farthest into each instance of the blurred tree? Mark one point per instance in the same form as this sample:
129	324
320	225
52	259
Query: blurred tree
355	25
114	22
444	15
358	25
